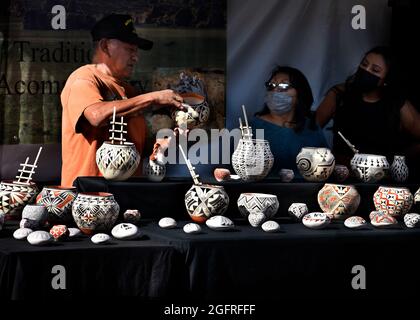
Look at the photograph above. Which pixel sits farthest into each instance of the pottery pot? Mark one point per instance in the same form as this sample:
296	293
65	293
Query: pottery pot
394	202
252	159
369	167
315	164
399	169
340	201
341	172
153	170
14	196
96	211
204	201
58	201
117	161
252	203
199	105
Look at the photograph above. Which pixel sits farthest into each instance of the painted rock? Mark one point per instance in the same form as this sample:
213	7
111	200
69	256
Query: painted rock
220	223
383	220
221	174
125	231
316	220
256	218
74	233
372	214
298	210
100	238
167	223
22	233
354	222
286	175
59	232
270	226
192	228
39	238
132	216
411	220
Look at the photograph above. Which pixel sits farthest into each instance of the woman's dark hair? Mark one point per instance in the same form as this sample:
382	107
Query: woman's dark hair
304	97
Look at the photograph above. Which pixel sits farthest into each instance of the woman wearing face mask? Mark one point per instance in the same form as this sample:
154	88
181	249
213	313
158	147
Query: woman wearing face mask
369	111
287	119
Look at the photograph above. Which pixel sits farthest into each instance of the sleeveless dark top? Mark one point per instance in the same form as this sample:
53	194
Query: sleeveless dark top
373	127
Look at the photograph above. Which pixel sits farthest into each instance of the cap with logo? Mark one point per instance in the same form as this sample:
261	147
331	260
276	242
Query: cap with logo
121	27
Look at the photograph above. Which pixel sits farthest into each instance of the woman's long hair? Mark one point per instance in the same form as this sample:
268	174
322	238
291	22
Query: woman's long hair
305	98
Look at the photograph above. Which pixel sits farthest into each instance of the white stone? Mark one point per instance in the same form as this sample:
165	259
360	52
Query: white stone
167	223
411	220
256	218
316	220
100	238
220	223
125	231
74	232
22	233
192	228
354	222
270	226
298	210
39	238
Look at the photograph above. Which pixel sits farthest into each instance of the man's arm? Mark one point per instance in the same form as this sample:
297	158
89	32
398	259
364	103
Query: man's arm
99	112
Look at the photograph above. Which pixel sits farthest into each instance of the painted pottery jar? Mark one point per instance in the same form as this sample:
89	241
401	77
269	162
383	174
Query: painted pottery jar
204	201
14	196
394	202
315	164
253	203
58	201
369	167
153	170
96	211
199	105
399	169
252	159
340	201
117	161
341	172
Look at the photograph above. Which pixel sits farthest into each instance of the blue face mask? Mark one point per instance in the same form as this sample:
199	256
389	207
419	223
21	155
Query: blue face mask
278	102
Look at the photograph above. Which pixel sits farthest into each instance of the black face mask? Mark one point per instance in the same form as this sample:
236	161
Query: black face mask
364	81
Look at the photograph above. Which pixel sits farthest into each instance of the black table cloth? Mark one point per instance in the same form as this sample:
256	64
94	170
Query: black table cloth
243	265
143	268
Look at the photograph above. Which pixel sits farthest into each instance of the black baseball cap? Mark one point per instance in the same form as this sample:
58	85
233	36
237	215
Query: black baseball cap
121	27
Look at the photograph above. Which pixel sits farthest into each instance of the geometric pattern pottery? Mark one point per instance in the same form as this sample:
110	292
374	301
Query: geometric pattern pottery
14	196
205	201
338	200
267	204
252	159
315	164
96	211
393	201
117	161
399	170
369	167
58	201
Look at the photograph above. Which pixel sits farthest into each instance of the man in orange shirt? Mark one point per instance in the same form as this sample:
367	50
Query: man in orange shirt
92	91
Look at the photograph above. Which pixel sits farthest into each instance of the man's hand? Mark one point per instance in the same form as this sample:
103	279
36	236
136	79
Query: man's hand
167	97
